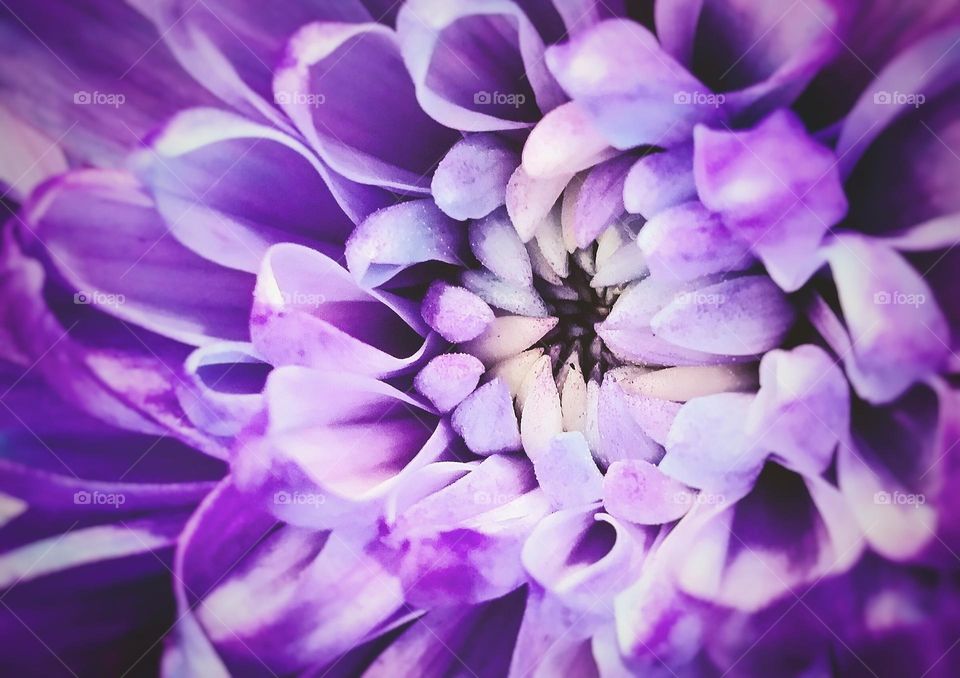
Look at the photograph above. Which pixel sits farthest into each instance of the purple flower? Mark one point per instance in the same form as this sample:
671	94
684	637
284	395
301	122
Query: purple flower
513	337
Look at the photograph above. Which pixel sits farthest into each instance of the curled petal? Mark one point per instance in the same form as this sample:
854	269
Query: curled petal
583	558
634	90
123	261
802	408
346	89
222	389
298	463
447	47
229	188
400	236
780	206
926	70
891	475
310	311
48	463
551	641
231	553
899	334
462	544
760	53
51	70
655	621
206	42
113	371
741	555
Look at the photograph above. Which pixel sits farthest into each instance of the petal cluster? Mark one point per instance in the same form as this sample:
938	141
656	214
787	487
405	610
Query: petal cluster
513	337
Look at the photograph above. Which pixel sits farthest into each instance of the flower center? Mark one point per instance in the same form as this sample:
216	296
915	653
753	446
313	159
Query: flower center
579	308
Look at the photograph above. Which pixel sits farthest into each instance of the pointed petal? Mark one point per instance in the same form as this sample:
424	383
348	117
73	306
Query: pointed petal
448	379
530	199
455	313
496	244
639	492
513	371
660	180
708	447
565	141
486	420
600	199
567	473
523	300
507	336
688	241
540	419
471	180
738	317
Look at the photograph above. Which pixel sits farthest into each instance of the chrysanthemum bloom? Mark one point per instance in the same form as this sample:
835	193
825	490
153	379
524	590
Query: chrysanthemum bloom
541	338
